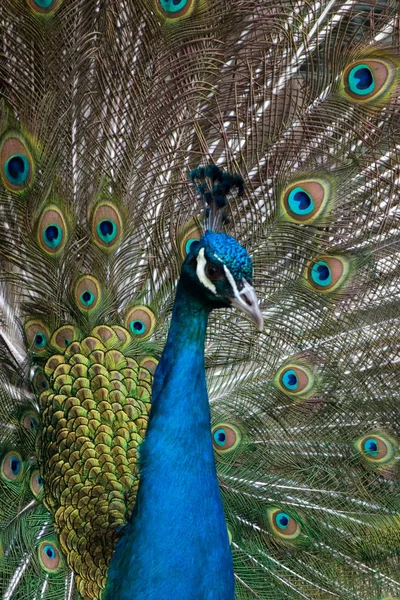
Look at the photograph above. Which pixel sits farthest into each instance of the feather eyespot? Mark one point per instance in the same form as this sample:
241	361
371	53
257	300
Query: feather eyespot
283	525
326	273
175	9
140	321
367	80
376	448
87	293
36	484
30	421
52	230
225	438
149	363
12	466
40	382
192	236
49	556
106	226
305	200
64	336
123	335
295	380
37	335
16	163
44	7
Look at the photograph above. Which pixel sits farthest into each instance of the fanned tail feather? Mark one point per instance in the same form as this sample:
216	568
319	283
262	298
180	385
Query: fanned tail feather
106	108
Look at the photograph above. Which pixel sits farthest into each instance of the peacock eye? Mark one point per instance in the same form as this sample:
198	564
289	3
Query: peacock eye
192	236
295	380
107	228
306	200
17	169
36	483
12	466
368	79
174	9
40	384
44	7
87	293
225	437
140	321
37	335
30	421
16	163
283	525
376	448
64	336
49	556
326	273
215	273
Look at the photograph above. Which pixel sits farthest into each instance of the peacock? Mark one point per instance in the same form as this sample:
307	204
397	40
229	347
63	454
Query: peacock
199	300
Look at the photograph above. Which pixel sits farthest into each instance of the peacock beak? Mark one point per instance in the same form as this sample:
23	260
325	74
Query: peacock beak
246	301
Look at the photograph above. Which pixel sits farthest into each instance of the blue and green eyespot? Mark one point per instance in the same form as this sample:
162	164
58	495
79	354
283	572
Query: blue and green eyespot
87	298
37	335
65	335
327	273
36	483
225	437
187	239
107	231
173	10
49	556
295	379
40	340
321	273
30	421
52	230
17	165
17	169
283	525
368	80
138	327
11	466
87	293
140	321
300	201
306	200
290	380
107	226
44	7
361	80
52	235
378	449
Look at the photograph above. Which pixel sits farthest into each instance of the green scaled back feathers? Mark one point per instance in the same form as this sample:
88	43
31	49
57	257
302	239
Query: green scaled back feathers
105	109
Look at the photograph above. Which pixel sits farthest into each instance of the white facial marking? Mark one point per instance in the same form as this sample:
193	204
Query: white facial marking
201	272
232	282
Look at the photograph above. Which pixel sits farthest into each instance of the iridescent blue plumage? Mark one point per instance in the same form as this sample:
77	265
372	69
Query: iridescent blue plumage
176	544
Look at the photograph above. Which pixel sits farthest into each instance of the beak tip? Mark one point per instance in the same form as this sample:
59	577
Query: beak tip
259	322
247	302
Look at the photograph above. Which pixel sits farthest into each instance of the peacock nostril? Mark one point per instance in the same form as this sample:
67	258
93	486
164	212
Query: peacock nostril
247	299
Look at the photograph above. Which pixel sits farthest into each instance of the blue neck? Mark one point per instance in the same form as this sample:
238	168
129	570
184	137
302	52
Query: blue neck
176	544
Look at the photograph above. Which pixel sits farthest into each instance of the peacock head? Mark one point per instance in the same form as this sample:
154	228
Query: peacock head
219	271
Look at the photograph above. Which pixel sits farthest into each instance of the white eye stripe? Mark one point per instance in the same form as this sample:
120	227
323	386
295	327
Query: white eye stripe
201	272
231	280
